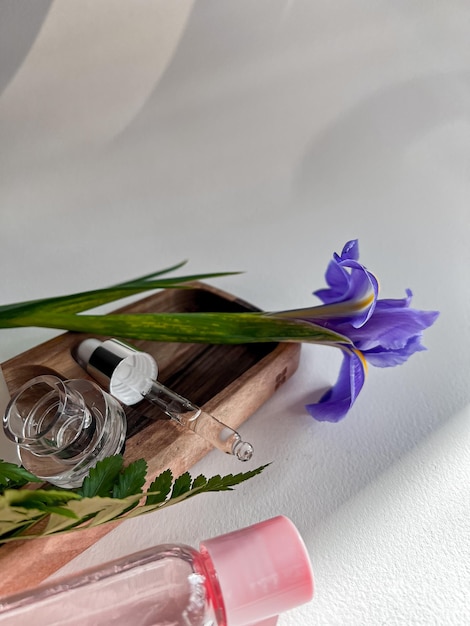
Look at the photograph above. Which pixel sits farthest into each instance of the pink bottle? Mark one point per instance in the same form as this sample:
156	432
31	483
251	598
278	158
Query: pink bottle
244	578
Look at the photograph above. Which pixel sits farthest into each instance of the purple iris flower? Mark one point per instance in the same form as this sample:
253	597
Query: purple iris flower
383	333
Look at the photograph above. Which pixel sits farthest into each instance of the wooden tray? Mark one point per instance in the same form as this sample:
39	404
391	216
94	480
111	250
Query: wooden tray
230	382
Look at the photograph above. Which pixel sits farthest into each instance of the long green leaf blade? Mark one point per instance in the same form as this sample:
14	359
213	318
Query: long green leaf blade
84	301
165	270
217	328
30	303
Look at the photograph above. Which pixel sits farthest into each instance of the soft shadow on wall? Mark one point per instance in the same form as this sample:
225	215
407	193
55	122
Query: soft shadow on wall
361	158
20	23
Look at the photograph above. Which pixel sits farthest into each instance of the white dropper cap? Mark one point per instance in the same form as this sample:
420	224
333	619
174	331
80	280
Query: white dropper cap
125	371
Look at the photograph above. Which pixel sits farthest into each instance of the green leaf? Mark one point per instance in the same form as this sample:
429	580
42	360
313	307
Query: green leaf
115	510
227	483
12	476
39	499
86	300
160	488
61	510
21	508
11	532
102	478
181	485
14	520
67	510
199	481
131	480
215	328
92	512
200	485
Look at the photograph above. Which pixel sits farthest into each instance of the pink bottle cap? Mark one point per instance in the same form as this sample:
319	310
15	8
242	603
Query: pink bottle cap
262	571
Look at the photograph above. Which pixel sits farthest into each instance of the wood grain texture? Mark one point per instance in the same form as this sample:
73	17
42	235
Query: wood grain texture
228	381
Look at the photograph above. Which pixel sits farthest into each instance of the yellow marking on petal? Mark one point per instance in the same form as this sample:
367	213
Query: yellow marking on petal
363	304
358	353
362	358
329	310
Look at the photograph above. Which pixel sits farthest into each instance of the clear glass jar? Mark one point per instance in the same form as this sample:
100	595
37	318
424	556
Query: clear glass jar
63	428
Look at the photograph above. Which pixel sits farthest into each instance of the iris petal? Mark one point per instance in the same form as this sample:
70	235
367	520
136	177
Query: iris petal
350	282
389	328
394	303
338	280
381	357
351	250
338	400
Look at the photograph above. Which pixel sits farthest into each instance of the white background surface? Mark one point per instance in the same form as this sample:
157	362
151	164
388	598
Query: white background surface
260	136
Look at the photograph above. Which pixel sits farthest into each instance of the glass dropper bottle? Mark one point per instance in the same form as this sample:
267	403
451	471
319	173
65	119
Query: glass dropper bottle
131	376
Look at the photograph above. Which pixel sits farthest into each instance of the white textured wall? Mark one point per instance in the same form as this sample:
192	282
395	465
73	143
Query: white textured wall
261	136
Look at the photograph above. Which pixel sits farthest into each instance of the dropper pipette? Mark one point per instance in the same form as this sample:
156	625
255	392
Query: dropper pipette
131	376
